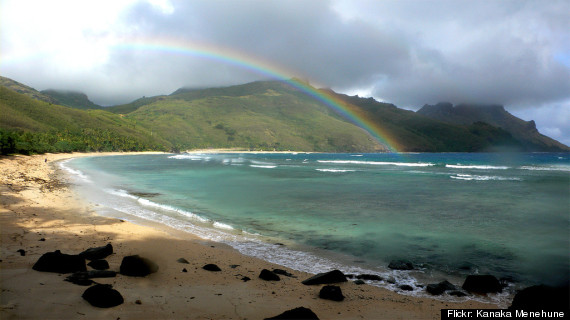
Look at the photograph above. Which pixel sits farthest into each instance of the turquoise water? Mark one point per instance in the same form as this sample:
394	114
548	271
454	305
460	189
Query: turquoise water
450	214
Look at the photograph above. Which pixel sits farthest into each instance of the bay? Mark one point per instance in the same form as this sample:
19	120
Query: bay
451	214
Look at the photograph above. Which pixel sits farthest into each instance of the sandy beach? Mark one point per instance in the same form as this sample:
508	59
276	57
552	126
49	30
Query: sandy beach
40	213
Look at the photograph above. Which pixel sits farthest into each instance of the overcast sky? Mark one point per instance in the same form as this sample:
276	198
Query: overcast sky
515	53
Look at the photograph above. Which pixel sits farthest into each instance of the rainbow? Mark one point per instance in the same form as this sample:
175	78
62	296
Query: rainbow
259	66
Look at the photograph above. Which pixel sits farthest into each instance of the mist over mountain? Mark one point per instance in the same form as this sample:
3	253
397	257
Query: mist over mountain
74	99
261	115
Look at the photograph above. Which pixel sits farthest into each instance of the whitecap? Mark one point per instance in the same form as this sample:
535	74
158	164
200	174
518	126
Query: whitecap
193	157
482	167
335	170
546	168
380	163
470	177
263	166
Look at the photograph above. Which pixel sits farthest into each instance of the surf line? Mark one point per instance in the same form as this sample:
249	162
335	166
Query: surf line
257	65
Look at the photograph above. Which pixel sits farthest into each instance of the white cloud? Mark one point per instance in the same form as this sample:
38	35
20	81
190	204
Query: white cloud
407	52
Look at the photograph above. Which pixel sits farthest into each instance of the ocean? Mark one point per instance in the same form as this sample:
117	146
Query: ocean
450	214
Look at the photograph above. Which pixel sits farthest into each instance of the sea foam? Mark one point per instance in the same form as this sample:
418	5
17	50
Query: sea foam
481	167
74	172
470	177
380	163
148	203
194	157
335	170
546	168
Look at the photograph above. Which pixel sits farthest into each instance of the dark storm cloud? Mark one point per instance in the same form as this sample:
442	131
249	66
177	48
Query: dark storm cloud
410	52
306	38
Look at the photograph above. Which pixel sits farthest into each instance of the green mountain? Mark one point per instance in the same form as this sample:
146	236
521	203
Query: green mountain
411	132
262	115
25	90
71	99
496	115
28	126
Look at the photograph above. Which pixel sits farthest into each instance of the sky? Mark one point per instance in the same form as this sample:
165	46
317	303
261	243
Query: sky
406	52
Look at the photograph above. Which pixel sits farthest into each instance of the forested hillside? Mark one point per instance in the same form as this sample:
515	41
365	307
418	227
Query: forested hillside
31	126
262	115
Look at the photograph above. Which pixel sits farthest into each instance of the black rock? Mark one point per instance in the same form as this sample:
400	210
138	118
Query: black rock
98	252
401	265
406	287
482	284
83	278
372	277
99	264
457	293
182	260
60	263
22	252
331	293
283	273
439	288
300	313
94	274
103	296
211	267
359	282
184	270
136	266
245	279
268	275
334	276
537	298
80	282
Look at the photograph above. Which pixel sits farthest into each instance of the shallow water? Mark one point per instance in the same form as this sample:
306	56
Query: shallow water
450	214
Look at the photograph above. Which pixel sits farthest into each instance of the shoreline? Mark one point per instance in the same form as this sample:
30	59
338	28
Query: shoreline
38	204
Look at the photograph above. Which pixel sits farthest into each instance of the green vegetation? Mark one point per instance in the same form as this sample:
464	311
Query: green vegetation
257	116
263	115
30	126
71	99
524	132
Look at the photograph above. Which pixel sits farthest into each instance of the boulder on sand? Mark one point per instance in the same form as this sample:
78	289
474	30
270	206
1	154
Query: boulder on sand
482	284
211	267
99	264
103	296
136	266
268	275
331	293
98	252
334	276
83	278
60	263
300	313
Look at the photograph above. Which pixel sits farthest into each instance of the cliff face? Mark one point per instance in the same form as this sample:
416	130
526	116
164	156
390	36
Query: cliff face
495	115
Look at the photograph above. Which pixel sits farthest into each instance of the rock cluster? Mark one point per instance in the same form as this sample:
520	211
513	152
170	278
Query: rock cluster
98	295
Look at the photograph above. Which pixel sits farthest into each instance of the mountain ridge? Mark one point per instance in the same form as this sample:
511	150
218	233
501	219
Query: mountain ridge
496	115
267	115
70	98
